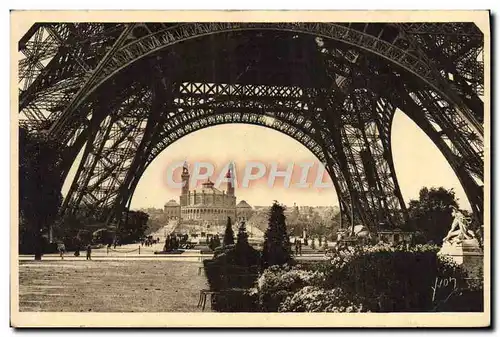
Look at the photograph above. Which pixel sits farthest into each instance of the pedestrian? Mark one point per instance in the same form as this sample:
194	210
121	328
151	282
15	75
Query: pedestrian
61	248
300	247
89	252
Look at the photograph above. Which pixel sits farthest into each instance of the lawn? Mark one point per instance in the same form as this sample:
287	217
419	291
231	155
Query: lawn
110	286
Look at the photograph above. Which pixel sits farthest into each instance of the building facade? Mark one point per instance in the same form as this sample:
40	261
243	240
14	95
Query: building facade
208	207
172	210
243	211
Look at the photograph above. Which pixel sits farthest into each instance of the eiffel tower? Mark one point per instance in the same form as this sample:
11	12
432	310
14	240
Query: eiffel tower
123	92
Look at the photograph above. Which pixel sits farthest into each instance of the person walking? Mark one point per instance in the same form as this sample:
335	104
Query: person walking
61	248
89	252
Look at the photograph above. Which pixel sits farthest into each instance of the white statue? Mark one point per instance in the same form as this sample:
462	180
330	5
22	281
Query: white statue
459	230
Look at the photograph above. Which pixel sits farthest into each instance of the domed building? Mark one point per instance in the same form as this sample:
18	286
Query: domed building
172	210
208	207
243	211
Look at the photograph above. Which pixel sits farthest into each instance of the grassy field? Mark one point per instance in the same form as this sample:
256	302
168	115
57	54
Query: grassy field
110	286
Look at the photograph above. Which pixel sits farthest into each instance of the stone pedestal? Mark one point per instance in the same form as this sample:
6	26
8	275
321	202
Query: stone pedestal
466	253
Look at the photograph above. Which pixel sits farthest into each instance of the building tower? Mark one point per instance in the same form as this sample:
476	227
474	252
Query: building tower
230	183
185	185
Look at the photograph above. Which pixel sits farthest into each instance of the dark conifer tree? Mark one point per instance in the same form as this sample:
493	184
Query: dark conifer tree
228	234
242	237
277	249
246	255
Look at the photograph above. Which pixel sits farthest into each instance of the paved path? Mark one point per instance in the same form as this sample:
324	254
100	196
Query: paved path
165	230
159	257
110	286
177	257
126	252
135	251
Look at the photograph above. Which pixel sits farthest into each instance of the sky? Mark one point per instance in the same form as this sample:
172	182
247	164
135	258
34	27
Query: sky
417	162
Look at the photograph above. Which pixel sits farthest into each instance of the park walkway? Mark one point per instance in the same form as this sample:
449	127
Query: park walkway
110	286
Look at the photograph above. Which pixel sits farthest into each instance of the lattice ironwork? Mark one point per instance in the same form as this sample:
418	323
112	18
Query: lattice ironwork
128	91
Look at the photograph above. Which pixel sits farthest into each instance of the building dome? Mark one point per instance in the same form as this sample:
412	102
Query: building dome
243	204
172	203
208	184
207	187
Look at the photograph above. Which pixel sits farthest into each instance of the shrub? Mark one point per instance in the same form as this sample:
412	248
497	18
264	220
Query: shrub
317	299
214	242
380	278
233	300
388	278
218	251
233	266
278	282
222	276
238	255
469	300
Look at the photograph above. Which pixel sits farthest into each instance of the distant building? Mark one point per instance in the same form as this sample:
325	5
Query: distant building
172	210
208	207
243	211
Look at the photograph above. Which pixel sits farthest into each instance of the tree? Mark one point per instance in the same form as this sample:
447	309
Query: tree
314	221
242	237
431	213
259	220
72	227
245	254
332	225
39	188
133	227
294	222
228	234
276	249
67	229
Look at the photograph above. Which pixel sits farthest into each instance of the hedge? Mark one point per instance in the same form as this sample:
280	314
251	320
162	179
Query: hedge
379	278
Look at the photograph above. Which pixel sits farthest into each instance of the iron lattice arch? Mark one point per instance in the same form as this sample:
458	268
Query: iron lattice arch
124	92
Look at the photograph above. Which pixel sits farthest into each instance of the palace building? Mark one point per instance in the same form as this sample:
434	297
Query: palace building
208	207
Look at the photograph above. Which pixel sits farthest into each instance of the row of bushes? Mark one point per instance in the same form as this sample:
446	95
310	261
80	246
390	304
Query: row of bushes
379	278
